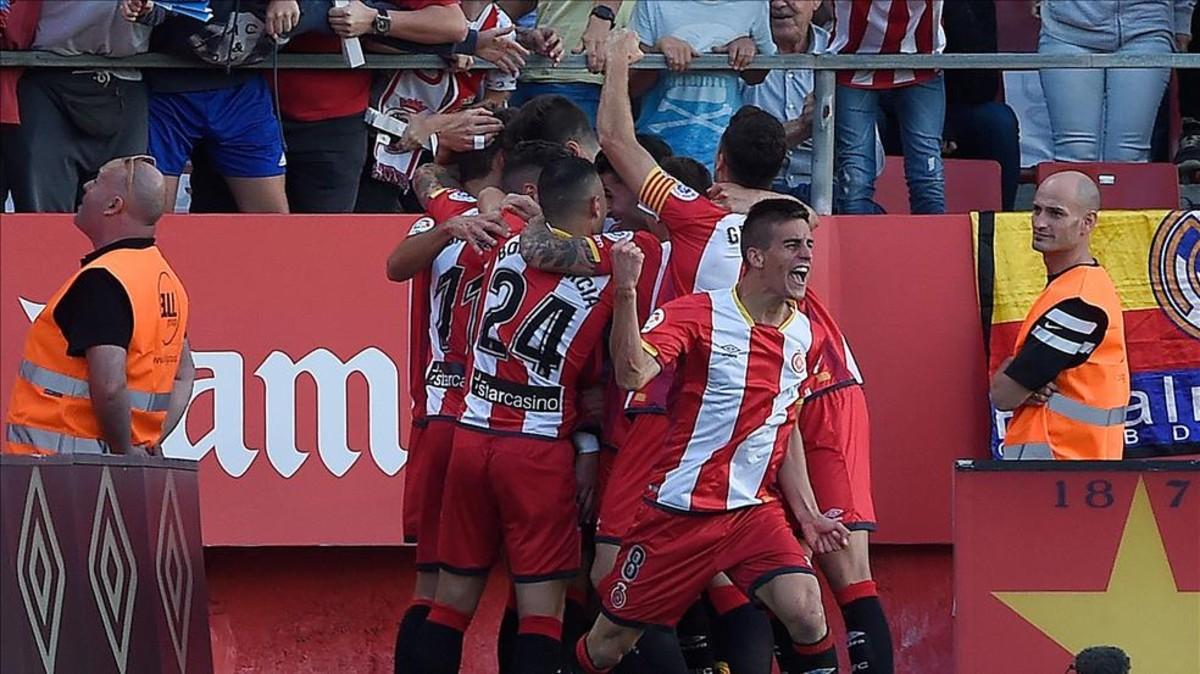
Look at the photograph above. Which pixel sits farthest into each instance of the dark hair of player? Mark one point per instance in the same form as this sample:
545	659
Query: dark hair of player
762	218
476	164
689	172
526	160
564	186
754	146
553	118
657	147
1102	660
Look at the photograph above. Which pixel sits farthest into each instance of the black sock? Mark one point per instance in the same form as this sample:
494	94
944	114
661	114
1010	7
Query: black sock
783	643
407	638
870	640
695	640
657	652
538	654
441	641
506	642
744	640
576	623
818	658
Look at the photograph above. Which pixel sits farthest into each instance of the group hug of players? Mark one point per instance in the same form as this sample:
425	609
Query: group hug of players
665	377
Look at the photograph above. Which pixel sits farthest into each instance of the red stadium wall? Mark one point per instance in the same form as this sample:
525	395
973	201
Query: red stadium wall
292	310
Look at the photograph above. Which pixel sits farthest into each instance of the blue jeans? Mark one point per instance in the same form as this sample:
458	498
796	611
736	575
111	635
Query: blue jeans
988	131
1104	115
920	110
583	94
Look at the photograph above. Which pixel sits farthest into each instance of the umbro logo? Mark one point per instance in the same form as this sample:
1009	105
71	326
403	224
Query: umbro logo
731	350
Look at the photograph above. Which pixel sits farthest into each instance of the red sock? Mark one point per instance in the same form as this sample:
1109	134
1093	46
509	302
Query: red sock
726	598
585	659
547	626
826	643
855	592
445	615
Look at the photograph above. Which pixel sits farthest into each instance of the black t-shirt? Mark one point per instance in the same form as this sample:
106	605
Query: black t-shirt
1061	338
96	310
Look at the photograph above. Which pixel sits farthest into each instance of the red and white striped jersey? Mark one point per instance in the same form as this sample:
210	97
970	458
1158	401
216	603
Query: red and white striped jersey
418	332
706	239
739	383
538	332
887	27
830	362
452	286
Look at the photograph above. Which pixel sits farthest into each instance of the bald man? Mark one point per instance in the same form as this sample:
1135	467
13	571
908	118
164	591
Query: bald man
106	366
1068	384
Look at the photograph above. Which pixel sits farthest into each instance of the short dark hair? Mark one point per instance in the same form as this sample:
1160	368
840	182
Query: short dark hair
564	186
475	164
762	218
754	146
689	172
551	117
526	160
1102	660
657	147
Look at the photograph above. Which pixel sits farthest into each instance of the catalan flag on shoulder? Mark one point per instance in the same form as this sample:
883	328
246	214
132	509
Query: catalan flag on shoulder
1153	258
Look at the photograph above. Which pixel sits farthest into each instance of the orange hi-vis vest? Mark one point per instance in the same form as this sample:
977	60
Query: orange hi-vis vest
1086	418
51	412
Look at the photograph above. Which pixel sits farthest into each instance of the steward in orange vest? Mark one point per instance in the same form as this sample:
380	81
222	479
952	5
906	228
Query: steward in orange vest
106	367
1068	384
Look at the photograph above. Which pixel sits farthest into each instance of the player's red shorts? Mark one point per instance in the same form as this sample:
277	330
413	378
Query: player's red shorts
837	446
436	443
631	472
512	491
667	559
410	510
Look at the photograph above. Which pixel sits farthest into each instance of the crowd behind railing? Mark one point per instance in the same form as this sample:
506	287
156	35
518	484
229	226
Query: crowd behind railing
234	138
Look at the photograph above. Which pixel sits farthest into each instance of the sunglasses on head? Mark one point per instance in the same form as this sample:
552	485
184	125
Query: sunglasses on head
130	164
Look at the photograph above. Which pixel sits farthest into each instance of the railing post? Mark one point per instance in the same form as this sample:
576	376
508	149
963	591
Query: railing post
823	125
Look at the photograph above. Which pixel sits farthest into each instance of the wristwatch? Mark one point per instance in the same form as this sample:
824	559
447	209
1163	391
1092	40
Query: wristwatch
383	23
605	13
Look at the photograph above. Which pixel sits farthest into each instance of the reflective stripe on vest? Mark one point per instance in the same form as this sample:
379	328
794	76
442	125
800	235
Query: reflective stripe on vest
56	383
1084	413
49	441
1030	451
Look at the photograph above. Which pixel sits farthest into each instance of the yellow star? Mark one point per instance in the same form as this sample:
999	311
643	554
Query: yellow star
1141	610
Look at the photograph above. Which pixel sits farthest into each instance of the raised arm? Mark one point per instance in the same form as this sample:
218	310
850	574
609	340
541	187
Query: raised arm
633	366
433	24
614	120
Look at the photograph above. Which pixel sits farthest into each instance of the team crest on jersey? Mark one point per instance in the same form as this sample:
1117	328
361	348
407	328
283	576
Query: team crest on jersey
684	193
461	196
834	513
617	596
654	321
617	236
798	362
1175	268
421	226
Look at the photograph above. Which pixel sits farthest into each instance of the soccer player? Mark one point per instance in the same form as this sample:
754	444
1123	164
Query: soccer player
510	484
733	449
447	273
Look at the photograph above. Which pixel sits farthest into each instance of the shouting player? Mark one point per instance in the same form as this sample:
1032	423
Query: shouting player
511	481
732	448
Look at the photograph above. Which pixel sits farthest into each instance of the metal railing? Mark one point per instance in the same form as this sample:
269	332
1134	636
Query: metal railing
824	77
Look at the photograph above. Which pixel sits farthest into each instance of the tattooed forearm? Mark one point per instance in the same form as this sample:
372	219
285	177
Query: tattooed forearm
430	178
561	254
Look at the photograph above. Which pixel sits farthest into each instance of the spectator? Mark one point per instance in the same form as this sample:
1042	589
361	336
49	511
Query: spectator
17	26
582	27
690	110
788	94
1101	660
73	121
432	105
322	110
978	124
917	98
1108	115
229	109
443	23
1188	156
